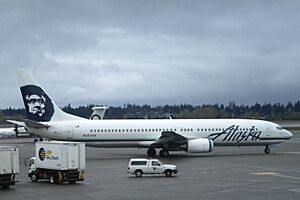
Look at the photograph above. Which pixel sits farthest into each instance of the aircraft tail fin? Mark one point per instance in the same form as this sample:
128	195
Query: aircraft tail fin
39	106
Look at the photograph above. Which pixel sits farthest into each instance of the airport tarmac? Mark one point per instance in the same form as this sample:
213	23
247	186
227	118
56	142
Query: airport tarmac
227	173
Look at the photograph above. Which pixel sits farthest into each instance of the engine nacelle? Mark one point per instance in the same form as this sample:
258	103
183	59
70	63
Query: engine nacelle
200	145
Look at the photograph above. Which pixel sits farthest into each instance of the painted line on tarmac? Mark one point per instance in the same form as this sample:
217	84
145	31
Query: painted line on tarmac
291	152
274	174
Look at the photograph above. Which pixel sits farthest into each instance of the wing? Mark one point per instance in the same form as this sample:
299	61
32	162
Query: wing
169	139
28	123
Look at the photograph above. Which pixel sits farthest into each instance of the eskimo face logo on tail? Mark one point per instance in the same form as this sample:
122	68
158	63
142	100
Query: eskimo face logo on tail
38	105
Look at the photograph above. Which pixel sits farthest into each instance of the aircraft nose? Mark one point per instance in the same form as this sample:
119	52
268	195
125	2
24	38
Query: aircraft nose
288	134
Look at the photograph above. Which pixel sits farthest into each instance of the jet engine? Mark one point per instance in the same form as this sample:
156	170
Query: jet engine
200	145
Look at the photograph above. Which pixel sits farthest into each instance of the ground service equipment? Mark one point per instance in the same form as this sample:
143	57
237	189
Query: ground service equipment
9	165
58	162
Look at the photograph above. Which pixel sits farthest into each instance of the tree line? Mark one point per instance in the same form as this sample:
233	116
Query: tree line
268	111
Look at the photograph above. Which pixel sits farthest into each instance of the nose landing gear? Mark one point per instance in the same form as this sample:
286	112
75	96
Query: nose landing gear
267	150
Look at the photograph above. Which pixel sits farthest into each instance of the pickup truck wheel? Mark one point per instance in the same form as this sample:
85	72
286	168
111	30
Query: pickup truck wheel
138	173
168	173
34	178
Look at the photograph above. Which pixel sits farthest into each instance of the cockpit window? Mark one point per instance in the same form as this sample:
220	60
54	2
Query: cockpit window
279	128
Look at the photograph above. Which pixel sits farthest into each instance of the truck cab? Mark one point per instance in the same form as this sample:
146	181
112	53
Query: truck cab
140	166
31	169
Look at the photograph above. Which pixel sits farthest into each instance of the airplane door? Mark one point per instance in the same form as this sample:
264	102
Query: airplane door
268	130
69	132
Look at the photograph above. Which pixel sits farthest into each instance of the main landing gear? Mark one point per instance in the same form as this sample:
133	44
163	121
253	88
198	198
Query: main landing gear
267	150
164	153
151	152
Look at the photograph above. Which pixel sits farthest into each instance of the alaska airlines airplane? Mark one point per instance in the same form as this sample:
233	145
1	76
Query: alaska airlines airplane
47	120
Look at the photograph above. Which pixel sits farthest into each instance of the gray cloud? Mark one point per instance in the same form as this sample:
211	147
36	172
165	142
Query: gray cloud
155	52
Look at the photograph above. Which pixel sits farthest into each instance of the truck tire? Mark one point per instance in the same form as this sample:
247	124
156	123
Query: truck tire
5	186
34	178
168	173
72	182
138	173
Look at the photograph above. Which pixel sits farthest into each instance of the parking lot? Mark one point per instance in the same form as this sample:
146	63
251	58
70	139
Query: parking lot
227	173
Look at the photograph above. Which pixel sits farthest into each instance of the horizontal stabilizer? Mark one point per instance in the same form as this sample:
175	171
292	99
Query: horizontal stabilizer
28	123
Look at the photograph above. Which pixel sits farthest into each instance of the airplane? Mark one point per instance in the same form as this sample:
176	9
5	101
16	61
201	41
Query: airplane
98	112
21	132
46	119
17	132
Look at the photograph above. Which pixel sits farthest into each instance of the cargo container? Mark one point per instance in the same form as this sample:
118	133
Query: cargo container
58	162
9	165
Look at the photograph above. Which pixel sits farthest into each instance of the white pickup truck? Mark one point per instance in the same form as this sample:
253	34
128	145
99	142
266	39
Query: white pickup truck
140	166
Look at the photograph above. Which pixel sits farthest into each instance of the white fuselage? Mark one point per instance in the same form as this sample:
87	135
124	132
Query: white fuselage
142	133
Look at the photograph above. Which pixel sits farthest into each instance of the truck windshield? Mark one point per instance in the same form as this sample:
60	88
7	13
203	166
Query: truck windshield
156	163
31	162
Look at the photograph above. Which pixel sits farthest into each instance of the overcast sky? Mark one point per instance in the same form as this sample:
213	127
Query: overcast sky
152	52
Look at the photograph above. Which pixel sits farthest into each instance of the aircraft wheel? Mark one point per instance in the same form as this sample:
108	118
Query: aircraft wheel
267	150
151	152
164	153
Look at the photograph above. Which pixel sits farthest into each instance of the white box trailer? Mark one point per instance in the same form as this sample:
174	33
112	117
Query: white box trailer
9	165
58	161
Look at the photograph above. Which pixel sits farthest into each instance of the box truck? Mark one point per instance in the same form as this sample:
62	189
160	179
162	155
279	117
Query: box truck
58	162
9	165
